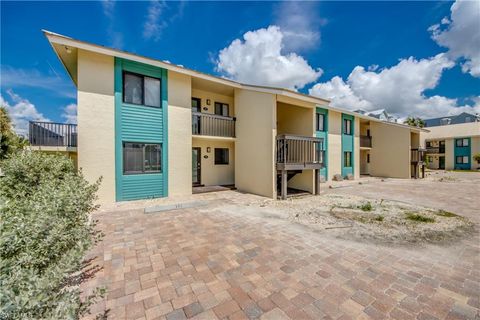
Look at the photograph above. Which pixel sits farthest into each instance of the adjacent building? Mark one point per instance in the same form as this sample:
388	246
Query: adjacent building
452	142
155	129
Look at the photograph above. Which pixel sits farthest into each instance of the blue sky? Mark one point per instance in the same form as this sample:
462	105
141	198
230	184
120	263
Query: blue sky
358	54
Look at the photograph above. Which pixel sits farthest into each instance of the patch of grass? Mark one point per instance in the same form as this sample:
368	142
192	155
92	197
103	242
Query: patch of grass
366	206
418	217
379	218
447	214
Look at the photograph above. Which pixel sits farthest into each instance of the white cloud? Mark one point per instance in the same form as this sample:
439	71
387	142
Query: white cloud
116	38
461	34
299	22
21	112
258	60
70	113
153	27
399	89
14	78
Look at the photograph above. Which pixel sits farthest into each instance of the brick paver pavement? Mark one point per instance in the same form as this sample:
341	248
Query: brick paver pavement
215	262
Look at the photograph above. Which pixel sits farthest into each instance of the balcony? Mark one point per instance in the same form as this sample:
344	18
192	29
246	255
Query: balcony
365	141
434	150
299	152
206	124
417	156
51	134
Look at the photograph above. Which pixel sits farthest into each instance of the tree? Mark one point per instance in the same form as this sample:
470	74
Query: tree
10	142
45	232
414	122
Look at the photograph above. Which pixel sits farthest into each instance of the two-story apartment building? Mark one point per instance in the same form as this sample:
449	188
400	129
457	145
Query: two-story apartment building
155	129
451	142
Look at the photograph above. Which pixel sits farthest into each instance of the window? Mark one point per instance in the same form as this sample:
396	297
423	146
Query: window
462	142
221	156
461	160
141	158
429	144
347	159
141	90
445	121
347	126
430	159
196	105
368	157
468	119
320	122
221	109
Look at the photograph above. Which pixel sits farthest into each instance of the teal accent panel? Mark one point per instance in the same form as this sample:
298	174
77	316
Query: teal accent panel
141	124
347	145
462	151
324	136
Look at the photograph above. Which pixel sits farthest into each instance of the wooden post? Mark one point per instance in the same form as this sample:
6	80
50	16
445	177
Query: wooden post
317	181
284	184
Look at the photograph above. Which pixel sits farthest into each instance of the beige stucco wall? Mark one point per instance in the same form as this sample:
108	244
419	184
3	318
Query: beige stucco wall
364	165
475	149
254	148
449	153
470	129
96	126
334	144
214	97
215	174
179	134
390	153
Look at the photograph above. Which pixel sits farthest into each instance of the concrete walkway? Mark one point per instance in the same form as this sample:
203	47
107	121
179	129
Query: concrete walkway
232	260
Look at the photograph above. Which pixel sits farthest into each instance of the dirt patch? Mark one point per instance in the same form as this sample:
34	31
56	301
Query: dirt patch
380	221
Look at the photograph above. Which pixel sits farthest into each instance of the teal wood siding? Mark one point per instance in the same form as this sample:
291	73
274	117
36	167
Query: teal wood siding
324	136
142	124
462	152
347	144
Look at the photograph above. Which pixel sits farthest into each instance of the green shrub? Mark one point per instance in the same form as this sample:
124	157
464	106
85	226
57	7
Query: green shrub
366	206
46	230
446	214
379	218
418	217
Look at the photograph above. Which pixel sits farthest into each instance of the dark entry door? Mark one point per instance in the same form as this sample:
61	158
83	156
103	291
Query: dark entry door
441	162
196	166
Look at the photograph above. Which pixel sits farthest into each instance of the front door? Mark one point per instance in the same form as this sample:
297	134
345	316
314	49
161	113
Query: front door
196	166
441	162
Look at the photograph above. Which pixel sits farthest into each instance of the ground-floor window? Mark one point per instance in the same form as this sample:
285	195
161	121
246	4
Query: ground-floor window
347	159
461	160
221	156
141	158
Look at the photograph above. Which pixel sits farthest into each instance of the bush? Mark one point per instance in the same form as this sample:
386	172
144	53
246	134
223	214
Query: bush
45	232
366	206
418	217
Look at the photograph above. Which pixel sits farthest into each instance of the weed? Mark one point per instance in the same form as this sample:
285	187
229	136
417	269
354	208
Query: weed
366	206
418	217
379	218
443	213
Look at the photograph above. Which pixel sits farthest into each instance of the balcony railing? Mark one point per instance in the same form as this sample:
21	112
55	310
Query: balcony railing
365	141
431	150
206	124
52	134
417	156
298	152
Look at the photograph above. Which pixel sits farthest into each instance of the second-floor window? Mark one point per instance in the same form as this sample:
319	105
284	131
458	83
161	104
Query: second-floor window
320	122
221	109
462	142
347	126
141	90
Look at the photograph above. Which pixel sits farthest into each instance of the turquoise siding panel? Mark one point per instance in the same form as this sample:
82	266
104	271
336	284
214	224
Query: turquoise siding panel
462	151
324	136
141	124
347	145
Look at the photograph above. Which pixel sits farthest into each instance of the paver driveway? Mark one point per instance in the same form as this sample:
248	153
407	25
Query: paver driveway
231	260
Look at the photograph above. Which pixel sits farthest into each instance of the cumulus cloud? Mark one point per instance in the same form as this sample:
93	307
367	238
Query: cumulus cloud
461	35
299	22
399	89
70	113
21	112
258	59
